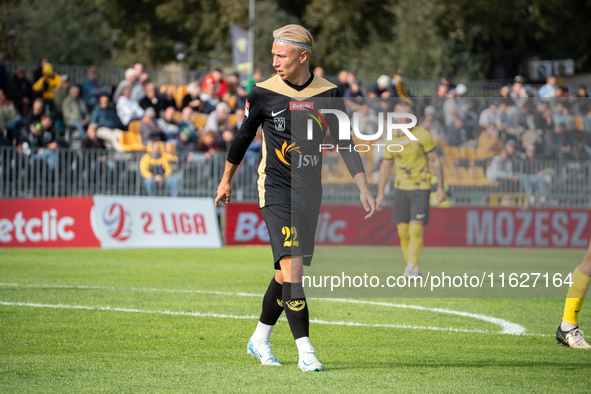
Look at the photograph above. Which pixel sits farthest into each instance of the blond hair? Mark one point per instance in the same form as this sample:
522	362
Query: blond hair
295	34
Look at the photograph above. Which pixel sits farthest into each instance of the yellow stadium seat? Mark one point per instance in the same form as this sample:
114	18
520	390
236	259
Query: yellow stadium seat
232	102
181	92
462	175
134	127
130	141
170	152
177	116
199	120
164	88
232	119
578	119
442	143
468	153
452	152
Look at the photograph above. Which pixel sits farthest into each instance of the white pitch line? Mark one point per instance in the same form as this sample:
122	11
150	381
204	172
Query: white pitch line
507	327
247	317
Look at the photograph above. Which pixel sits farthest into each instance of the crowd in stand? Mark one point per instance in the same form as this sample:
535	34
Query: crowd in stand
49	112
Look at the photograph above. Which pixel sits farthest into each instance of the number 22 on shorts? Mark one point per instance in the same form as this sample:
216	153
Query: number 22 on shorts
291	236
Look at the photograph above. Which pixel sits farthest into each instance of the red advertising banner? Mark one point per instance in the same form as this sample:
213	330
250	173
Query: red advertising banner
47	222
488	227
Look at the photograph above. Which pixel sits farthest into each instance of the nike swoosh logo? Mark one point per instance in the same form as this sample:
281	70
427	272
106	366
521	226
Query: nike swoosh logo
307	365
277	113
420	216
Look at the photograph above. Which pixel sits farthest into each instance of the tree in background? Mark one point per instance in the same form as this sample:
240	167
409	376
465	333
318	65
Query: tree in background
470	39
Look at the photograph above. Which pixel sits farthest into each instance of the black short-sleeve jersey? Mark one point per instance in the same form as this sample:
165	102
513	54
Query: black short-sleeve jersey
291	163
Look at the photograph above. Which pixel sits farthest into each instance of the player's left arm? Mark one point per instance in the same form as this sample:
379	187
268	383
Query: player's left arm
436	167
352	161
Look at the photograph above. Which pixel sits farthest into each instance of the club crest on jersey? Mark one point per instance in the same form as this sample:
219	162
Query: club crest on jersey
279	124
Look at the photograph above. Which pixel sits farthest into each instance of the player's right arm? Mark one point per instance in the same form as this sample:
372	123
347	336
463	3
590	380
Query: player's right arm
383	181
248	130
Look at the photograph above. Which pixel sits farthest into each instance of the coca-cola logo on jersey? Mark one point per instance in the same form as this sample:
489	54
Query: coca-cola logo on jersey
117	222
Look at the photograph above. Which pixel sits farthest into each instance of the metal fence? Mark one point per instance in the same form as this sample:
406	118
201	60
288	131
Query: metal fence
113	75
73	172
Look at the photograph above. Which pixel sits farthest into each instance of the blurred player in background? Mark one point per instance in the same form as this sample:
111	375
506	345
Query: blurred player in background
568	332
289	197
412	186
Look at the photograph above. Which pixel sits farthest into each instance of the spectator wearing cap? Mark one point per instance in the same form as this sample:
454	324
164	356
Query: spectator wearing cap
187	139
151	99
512	152
149	129
128	110
75	111
92	88
549	89
399	88
186	121
130	78
457	135
20	92
432	124
61	93
109	127
48	83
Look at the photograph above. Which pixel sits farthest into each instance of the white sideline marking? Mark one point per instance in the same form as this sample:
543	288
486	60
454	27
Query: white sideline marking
507	327
250	317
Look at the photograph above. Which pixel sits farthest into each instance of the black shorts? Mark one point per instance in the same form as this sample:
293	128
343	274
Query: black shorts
411	205
291	233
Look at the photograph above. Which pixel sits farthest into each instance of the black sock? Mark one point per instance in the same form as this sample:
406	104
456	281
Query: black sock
296	309
272	303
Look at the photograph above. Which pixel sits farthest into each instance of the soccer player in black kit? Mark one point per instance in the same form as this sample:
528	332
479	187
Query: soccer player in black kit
289	183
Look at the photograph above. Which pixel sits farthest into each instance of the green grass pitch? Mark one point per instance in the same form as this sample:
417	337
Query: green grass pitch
178	321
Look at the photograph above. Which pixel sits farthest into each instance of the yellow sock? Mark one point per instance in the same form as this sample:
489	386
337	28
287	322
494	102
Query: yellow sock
404	239
415	245
575	296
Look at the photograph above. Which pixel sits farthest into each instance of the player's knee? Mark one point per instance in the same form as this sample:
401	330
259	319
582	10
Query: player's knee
403	232
416	231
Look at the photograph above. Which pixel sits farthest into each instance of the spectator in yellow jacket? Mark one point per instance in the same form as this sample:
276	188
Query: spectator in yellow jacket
48	82
156	171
